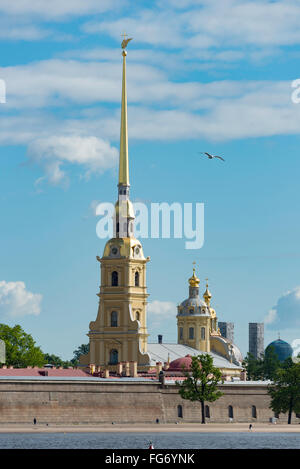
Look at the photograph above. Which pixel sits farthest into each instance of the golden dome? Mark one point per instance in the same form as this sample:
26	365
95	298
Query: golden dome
194	281
207	295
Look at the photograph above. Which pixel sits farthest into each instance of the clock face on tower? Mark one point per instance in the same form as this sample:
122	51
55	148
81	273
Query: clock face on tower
114	251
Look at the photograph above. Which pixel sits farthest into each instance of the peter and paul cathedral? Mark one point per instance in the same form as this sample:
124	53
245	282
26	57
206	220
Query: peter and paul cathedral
119	333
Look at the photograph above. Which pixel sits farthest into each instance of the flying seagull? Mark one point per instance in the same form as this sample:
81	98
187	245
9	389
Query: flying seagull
125	42
212	156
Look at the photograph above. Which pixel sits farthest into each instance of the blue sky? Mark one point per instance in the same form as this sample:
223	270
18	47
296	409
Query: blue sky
201	76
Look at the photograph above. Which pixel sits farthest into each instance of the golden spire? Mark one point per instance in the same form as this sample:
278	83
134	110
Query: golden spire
207	295
124	166
194	281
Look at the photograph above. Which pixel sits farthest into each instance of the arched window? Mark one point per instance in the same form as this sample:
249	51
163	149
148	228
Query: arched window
113	357
202	333
230	411
114	319
191	333
181	333
137	316
179	411
114	279
254	412
137	279
207	412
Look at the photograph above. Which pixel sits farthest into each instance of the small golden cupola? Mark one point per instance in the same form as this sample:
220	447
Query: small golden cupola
207	295
194	281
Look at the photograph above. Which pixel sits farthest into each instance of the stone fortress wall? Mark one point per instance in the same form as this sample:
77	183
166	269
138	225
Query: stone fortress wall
95	401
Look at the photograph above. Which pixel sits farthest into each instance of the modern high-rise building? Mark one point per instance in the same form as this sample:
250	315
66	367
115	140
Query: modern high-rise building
227	330
256	339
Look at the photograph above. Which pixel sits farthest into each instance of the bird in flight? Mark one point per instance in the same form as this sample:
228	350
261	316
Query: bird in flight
212	156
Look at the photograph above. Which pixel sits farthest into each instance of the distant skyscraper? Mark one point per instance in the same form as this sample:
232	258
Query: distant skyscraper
2	351
256	338
227	330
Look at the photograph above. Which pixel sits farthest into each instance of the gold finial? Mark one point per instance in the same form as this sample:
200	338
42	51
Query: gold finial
194	281
207	295
125	41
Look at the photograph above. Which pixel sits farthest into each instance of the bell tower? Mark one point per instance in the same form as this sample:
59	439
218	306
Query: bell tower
119	333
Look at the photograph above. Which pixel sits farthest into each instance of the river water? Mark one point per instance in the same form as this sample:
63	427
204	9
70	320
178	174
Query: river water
141	440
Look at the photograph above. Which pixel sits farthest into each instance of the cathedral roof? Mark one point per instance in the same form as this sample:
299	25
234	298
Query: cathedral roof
164	352
193	302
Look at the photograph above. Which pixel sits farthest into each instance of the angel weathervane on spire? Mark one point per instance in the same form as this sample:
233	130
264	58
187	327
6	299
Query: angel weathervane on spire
125	41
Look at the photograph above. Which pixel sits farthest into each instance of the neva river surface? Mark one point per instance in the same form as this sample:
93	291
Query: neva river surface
141	440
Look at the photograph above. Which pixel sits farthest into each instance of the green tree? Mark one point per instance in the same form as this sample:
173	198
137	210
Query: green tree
285	390
57	361
271	363
201	383
83	349
254	367
21	350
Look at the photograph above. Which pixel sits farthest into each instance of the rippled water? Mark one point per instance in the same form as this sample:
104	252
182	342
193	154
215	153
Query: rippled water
141	440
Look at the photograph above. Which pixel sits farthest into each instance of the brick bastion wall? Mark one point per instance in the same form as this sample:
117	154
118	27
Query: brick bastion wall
97	401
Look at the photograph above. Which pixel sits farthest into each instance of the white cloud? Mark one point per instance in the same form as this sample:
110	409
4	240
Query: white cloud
60	82
56	8
222	110
147	26
239	22
63	82
22	31
162	319
160	108
163	309
17	301
95	154
286	313
199	25
29	19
